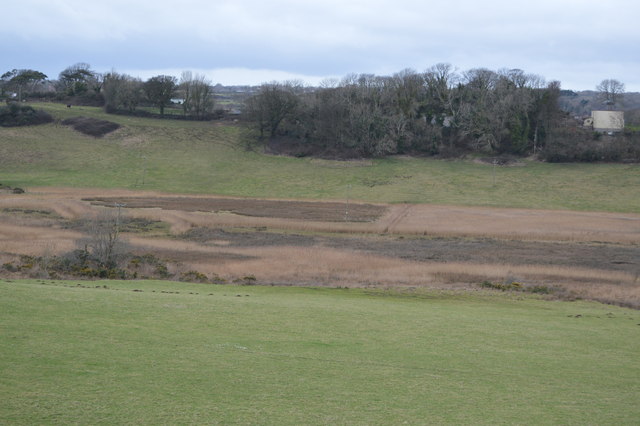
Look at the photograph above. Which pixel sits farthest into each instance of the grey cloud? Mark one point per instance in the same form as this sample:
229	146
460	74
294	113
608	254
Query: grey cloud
565	40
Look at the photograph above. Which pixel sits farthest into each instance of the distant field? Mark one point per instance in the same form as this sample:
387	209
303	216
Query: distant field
151	352
210	157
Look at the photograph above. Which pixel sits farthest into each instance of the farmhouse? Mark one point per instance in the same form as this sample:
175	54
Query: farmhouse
606	121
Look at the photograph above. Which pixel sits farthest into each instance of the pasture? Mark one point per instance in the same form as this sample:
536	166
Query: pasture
151	352
218	158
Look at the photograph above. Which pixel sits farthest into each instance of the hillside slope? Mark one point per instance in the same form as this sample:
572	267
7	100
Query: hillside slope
216	158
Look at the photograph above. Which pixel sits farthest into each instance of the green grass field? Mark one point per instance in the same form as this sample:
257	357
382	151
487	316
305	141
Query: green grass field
153	352
205	157
177	353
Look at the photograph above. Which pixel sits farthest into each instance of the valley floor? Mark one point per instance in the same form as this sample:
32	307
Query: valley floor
577	254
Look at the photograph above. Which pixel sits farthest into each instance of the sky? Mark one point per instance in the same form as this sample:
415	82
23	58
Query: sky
237	42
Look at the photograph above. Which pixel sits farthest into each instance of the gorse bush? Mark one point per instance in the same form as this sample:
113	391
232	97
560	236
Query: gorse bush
518	286
15	114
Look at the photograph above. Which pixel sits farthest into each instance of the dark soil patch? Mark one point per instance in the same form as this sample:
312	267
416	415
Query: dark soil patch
91	126
30	212
247	239
195	256
299	210
132	225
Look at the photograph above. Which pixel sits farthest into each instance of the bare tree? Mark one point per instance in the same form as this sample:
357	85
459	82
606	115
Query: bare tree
273	103
103	240
611	92
198	95
46	259
121	91
408	87
439	81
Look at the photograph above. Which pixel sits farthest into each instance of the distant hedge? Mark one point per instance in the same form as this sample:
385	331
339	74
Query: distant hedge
15	114
566	145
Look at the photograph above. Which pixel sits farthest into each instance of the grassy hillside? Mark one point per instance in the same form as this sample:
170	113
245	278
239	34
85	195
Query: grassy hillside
194	157
152	352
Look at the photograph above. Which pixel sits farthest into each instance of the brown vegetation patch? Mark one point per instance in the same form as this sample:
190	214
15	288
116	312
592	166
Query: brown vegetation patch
290	243
91	126
521	224
9	190
247	238
300	210
445	250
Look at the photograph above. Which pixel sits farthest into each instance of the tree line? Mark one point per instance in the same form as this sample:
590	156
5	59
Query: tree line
116	92
439	111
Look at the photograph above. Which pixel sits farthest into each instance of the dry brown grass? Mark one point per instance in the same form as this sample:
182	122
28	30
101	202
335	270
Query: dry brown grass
432	220
324	266
542	225
318	265
32	240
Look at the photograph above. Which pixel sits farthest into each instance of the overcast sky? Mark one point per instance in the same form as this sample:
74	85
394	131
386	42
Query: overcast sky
578	42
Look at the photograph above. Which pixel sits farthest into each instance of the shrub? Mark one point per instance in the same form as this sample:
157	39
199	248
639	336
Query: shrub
579	145
517	286
10	267
15	114
216	279
246	280
194	276
91	126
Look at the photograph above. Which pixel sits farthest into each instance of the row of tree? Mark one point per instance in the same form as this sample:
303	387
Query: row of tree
440	110
116	91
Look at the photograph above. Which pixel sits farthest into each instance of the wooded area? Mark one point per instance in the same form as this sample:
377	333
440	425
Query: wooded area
439	112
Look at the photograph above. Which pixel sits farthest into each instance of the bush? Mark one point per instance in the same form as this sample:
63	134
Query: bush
517	286
14	115
10	267
194	276
91	126
579	145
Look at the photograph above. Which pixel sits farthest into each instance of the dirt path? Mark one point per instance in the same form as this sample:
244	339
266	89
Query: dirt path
396	215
